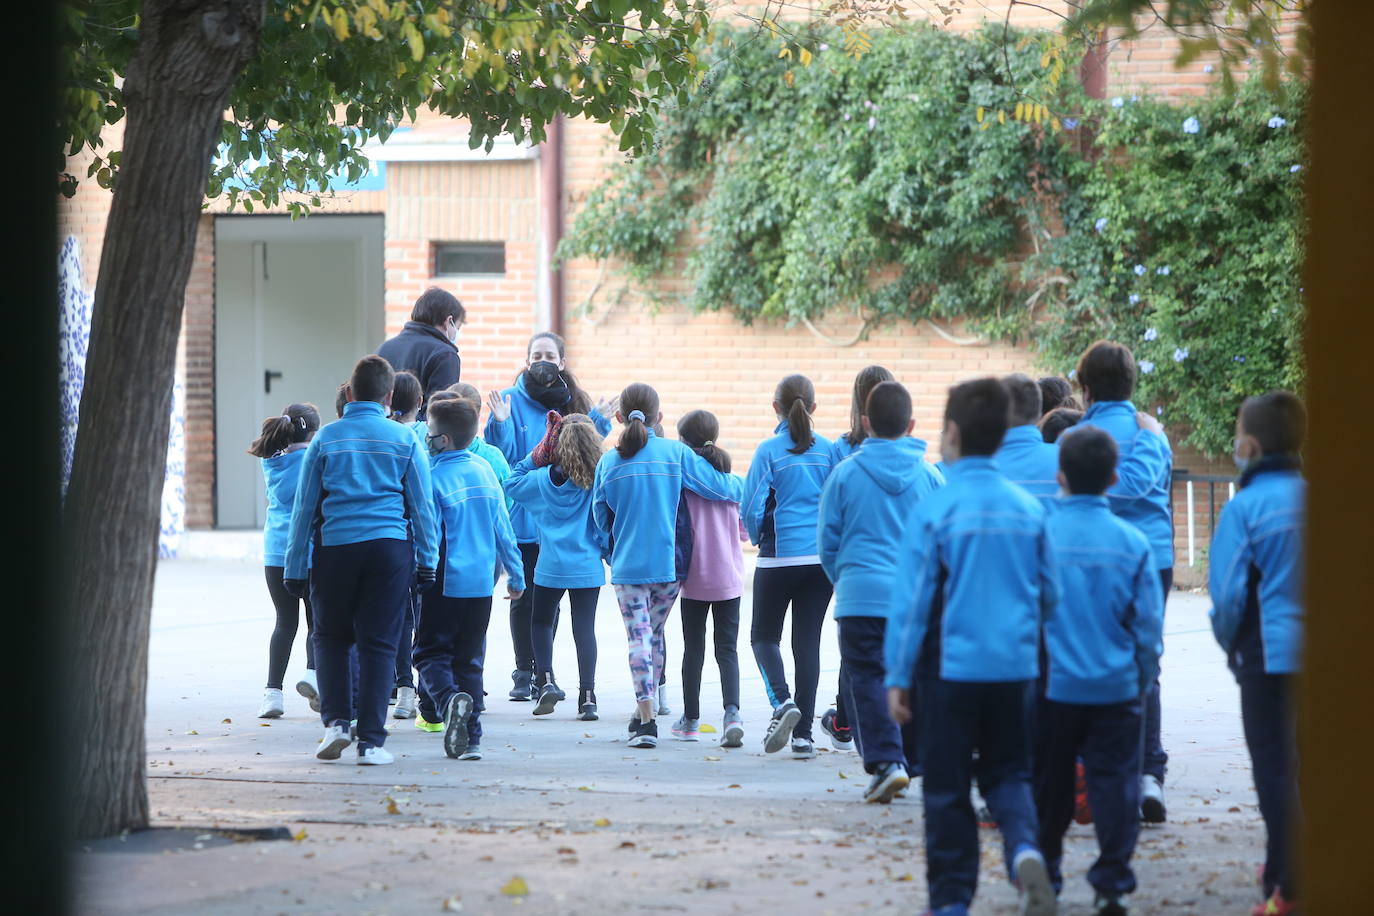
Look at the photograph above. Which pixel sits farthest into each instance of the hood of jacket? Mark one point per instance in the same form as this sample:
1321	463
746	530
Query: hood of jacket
894	464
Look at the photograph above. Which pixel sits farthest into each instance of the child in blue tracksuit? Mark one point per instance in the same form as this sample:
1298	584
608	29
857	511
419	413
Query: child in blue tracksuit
407	400
1102	644
1255	577
1107	374
515	426
977	581
782	502
554	485
1025	457
451	638
635	499
281	446
864	511
364	493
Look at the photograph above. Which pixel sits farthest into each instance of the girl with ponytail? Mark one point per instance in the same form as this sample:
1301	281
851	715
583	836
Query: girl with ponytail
781	506
280	448
635	503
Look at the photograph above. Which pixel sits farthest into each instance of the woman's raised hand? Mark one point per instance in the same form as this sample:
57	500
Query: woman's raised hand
608	406
500	407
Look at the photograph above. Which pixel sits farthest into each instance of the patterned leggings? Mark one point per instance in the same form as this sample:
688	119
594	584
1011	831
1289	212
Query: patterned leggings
645	608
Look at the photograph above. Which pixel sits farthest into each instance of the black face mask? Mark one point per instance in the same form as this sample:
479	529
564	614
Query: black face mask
543	372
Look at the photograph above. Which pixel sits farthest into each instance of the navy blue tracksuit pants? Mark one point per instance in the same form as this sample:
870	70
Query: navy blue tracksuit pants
1156	759
877	737
450	652
956	720
1266	710
405	643
1107	738
358	593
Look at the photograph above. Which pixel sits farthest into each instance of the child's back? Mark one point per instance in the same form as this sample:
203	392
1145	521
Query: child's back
782	495
716	571
282	474
570	543
477	529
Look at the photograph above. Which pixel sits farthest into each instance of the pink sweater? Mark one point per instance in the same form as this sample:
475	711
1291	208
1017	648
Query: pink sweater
717	570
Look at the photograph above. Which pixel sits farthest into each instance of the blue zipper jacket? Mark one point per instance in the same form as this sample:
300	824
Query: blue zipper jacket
635	500
1255	570
570	544
783	495
477	534
518	436
282	472
865	506
1030	462
1106	635
976	581
1145	466
363	477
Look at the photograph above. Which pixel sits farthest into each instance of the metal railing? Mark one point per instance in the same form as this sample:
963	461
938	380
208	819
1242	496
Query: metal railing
1190	483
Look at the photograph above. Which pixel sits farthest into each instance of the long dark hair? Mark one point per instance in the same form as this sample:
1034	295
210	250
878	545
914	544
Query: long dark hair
698	430
296	424
869	377
580	402
637	397
406	394
796	396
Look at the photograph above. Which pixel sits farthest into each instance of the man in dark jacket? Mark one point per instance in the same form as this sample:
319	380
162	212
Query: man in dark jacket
428	344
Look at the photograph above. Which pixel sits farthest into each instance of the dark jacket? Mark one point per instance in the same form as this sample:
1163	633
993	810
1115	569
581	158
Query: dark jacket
424	350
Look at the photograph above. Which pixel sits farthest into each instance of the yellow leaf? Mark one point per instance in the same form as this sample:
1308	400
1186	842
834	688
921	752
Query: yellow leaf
1044	60
340	24
805	56
417	43
391	806
1054	124
841	775
978	114
584	788
516	887
789	79
1020	110
601	822
1001	116
707	728
785	52
905	877
299	835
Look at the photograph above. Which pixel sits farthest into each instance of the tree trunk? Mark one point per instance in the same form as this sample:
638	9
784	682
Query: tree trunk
189	55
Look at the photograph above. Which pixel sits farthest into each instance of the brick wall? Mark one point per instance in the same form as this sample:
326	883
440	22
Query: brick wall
196	368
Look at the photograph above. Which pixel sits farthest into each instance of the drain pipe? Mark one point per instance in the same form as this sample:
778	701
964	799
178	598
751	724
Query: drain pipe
551	228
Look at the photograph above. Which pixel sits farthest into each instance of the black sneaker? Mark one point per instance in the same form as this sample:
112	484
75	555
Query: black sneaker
888	780
785	718
456	724
586	705
522	686
841	739
548	699
644	734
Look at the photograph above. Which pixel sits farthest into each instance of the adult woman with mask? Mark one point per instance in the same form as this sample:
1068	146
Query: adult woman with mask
517	423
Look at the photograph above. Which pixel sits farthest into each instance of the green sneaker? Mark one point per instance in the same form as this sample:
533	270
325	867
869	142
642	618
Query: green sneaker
426	726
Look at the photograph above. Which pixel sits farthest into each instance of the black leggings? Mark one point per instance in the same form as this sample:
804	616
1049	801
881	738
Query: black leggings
545	619
284	633
726	617
521	611
808	591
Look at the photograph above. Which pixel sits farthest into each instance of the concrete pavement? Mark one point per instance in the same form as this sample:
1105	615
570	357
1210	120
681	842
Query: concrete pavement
586	824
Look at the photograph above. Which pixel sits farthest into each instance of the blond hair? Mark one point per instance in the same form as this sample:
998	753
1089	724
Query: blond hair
579	449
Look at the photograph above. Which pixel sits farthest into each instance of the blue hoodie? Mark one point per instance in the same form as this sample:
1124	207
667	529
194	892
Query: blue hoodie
282	472
1030	462
477	532
783	495
570	544
976	582
865	506
1106	635
363	477
636	499
1255	570
517	437
1145	467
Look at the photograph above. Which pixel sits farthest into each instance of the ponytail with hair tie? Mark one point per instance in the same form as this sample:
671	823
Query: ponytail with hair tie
642	402
635	415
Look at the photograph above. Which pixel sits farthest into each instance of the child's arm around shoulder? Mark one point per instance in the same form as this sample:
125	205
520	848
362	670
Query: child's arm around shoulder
704	480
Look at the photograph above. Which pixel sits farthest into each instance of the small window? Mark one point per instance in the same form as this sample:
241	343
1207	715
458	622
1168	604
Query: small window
468	258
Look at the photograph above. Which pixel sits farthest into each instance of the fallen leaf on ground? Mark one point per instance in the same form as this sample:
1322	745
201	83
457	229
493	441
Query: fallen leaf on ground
193	732
391	806
842	776
516	887
453	905
584	788
905	877
708	757
707	728
566	851
226	721
626	844
299	835
601	822
734	785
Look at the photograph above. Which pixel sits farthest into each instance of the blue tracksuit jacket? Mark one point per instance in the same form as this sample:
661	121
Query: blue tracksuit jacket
477	534
1107	632
1145	467
518	436
1030	462
977	581
363	477
570	544
635	500
783	495
1255	570
865	507
282	472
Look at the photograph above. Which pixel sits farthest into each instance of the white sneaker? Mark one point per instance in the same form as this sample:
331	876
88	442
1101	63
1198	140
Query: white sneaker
803	749
308	688
1033	878
1151	800
663	709
273	705
375	757
332	744
405	703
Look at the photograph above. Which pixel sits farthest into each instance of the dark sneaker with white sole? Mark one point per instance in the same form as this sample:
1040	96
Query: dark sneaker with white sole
841	739
785	718
586	705
643	734
1151	800
888	780
456	724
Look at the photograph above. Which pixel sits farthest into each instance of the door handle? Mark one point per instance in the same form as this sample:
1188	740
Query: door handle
267	376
